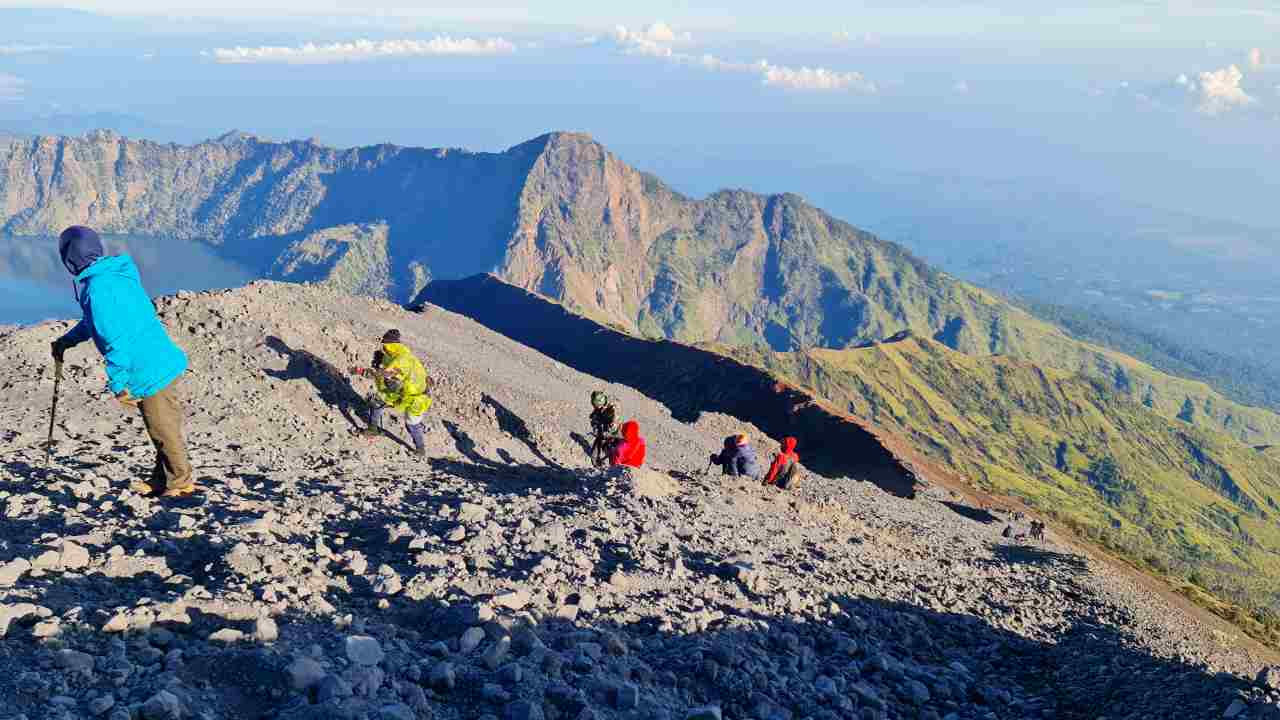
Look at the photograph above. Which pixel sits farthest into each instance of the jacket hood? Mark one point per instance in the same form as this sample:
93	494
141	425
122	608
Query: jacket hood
79	247
788	445
631	431
121	265
393	350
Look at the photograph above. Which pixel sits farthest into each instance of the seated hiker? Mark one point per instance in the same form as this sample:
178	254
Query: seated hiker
738	458
401	384
630	449
782	472
604	426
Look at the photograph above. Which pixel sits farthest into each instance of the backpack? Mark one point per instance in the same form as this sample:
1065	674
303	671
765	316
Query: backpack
789	477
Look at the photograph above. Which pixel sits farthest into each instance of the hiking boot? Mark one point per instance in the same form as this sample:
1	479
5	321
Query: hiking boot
419	452
146	488
370	432
175	491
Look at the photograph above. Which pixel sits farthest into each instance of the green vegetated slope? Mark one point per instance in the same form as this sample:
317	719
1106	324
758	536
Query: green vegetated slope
1181	497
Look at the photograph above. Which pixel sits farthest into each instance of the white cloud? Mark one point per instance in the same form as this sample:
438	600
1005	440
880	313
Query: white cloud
20	49
310	53
961	87
1219	91
807	78
659	40
656	40
11	87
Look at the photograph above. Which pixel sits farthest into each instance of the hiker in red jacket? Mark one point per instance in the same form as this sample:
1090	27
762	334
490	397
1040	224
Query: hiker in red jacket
630	450
784	466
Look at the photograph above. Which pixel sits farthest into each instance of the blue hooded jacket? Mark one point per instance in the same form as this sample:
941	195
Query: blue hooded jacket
122	322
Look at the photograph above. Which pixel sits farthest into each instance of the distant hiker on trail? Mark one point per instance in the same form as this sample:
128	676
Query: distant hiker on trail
1037	530
401	384
604	427
782	472
738	458
630	449
143	363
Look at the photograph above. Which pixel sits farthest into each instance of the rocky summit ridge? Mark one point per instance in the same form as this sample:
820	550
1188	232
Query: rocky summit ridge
320	576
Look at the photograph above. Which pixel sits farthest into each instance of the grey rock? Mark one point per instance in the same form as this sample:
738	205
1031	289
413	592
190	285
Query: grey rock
365	680
1269	678
226	636
164	705
74	661
523	710
303	673
470	640
13	570
516	600
265	630
443	676
332	688
396	711
918	691
511	674
497	653
626	696
364	650
101	705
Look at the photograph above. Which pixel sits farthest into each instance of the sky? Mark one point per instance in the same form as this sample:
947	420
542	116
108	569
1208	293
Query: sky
1151	104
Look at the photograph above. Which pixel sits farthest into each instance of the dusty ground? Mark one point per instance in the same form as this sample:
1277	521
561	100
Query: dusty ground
322	576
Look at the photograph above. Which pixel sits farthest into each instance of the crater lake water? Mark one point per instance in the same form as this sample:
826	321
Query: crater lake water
34	285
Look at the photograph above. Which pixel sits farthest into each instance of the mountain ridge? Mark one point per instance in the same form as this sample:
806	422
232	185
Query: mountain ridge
561	215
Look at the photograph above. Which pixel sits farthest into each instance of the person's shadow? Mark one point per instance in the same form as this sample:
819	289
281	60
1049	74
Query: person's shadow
330	382
516	427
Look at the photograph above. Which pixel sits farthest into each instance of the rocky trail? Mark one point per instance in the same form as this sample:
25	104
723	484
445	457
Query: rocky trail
319	575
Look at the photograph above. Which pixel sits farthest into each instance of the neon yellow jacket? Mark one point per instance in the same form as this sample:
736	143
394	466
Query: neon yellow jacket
409	394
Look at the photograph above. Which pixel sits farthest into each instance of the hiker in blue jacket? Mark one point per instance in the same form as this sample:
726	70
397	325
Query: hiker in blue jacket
143	364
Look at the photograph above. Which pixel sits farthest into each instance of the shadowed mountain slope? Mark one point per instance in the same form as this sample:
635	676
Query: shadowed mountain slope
687	380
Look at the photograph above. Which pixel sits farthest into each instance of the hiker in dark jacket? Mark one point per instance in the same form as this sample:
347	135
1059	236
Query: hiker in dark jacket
143	364
604	427
738	458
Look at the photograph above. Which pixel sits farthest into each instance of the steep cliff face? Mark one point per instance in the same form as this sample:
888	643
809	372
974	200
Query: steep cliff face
447	210
562	216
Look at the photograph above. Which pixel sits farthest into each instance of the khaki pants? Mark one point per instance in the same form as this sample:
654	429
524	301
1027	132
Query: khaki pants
162	415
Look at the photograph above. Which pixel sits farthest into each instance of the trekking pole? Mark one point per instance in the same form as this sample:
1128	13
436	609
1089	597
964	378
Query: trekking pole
53	414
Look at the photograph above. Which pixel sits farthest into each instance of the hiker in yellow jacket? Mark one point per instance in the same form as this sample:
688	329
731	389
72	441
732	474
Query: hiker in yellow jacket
401	384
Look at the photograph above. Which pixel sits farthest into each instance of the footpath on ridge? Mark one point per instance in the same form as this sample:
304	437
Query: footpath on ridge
323	576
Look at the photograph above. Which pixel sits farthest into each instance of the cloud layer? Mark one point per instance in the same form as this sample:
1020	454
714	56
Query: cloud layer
30	49
659	40
311	53
1218	91
11	87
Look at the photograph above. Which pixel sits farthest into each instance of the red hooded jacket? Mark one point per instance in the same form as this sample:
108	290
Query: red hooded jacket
782	460
631	450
